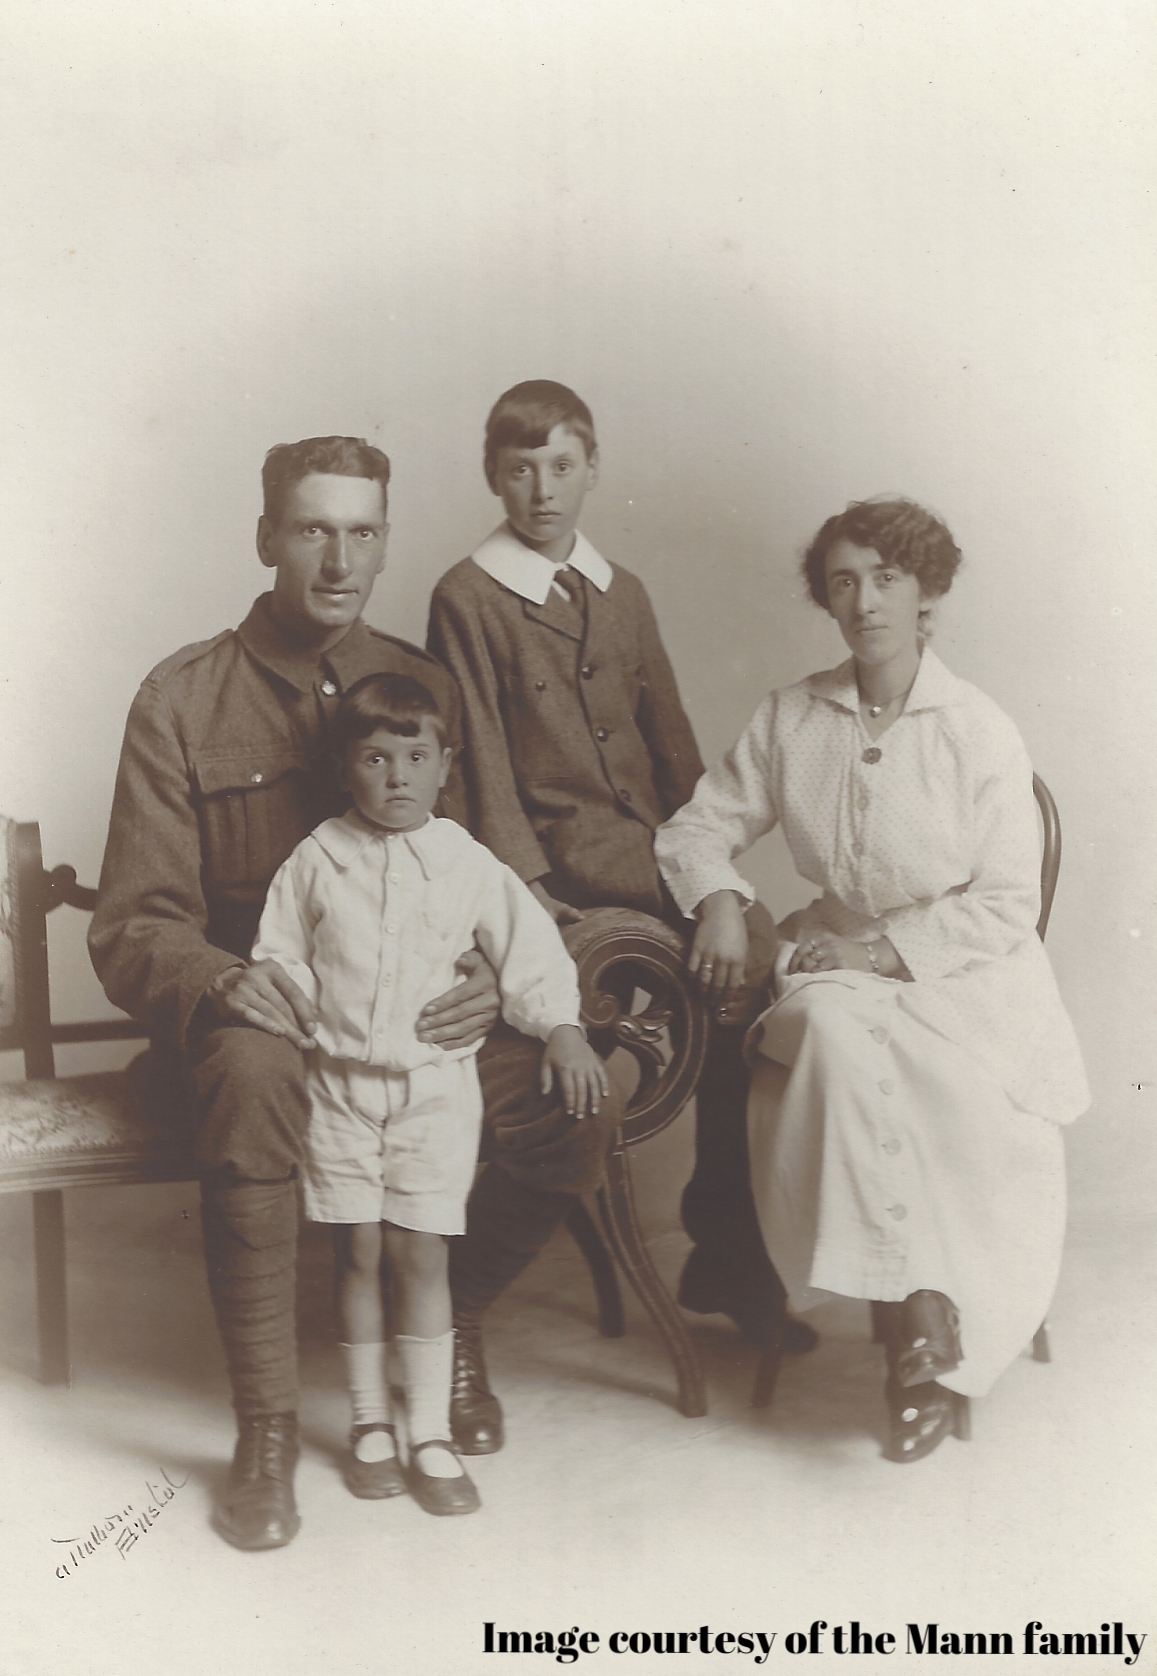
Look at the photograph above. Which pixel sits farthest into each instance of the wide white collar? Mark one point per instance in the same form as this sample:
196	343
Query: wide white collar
437	846
527	573
934	687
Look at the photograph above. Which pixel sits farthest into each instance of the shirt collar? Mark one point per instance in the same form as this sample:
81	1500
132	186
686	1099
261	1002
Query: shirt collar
526	572
265	641
935	686
436	846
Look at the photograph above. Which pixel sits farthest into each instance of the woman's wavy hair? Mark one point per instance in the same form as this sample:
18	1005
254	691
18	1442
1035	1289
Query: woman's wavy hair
904	535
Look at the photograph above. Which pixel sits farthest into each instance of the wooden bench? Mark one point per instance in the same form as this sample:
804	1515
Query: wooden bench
62	1133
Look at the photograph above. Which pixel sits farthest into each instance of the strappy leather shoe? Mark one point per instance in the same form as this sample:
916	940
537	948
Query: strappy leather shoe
256	1509
921	1418
372	1480
440	1495
927	1345
475	1412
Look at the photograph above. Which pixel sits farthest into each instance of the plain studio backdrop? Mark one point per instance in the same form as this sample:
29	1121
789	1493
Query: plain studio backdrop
791	253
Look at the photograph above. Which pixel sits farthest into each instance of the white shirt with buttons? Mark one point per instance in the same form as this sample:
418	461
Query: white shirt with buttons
369	924
927	836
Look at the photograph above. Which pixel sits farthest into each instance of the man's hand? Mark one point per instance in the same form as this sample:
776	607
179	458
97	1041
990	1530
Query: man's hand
465	1013
719	951
266	996
570	1061
560	912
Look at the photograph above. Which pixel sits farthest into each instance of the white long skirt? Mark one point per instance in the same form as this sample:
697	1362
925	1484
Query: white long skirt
885	1159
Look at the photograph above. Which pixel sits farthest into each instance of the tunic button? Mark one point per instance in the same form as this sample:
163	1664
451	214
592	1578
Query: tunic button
863	802
256	779
879	1034
587	671
394	877
887	1087
872	754
540	686
601	734
328	688
857	849
897	1212
390	929
892	1147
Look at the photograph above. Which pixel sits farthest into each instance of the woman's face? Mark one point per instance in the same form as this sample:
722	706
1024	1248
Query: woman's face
876	605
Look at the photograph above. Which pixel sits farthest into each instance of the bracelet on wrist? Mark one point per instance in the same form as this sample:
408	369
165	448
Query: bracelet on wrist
871	951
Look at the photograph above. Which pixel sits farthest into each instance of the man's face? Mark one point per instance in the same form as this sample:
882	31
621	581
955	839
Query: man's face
543	490
327	548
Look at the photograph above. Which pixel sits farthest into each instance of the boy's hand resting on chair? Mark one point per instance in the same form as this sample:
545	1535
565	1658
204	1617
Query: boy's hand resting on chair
570	1061
560	912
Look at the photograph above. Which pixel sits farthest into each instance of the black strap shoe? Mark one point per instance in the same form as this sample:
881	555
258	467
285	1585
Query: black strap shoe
256	1509
475	1412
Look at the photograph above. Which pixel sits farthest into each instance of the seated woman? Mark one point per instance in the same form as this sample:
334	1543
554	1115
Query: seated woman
910	1075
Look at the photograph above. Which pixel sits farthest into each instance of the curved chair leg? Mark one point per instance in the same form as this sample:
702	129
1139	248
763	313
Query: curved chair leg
582	1229
767	1372
1040	1344
617	1208
51	1286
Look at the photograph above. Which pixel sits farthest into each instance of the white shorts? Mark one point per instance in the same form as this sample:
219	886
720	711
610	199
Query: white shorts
392	1146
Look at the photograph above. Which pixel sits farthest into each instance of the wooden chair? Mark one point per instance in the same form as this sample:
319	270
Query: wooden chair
768	1370
64	1132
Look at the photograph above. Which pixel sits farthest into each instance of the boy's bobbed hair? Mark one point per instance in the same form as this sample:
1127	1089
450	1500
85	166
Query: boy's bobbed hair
398	703
334	456
905	535
525	415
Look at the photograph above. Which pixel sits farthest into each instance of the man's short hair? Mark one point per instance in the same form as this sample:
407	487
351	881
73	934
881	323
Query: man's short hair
525	415
335	456
398	703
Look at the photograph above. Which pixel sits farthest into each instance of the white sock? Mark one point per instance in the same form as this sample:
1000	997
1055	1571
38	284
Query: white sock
370	1397
427	1366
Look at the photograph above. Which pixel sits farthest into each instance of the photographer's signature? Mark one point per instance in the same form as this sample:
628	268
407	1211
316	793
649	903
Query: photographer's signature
124	1528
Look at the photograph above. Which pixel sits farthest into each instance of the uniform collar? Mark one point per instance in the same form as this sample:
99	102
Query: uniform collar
934	687
526	572
261	637
436	846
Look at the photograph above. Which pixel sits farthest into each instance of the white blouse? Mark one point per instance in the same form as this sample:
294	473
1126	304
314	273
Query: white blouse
927	836
369	925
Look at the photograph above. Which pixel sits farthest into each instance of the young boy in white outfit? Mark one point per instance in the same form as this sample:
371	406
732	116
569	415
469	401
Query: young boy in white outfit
369	915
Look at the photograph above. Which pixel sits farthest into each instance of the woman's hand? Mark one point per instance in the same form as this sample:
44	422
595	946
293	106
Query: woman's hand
560	912
465	1013
719	951
822	951
570	1061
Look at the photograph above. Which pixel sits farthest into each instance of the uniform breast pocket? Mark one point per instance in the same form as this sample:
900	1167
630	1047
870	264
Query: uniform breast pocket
253	810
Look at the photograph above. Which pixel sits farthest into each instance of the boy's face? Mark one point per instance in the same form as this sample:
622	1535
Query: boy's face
543	490
395	779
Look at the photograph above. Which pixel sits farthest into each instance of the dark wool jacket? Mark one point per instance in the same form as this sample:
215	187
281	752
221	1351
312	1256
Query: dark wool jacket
223	771
575	742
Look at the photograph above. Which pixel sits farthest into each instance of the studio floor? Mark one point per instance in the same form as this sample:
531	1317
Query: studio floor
607	1511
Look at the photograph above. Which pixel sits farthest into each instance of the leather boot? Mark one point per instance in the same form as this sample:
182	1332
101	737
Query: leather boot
257	1509
507	1225
475	1412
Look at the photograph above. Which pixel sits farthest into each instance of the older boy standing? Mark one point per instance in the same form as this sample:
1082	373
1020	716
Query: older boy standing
575	748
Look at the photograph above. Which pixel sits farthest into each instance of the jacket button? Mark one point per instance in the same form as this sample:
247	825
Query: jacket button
540	686
587	671
625	795
256	779
601	734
